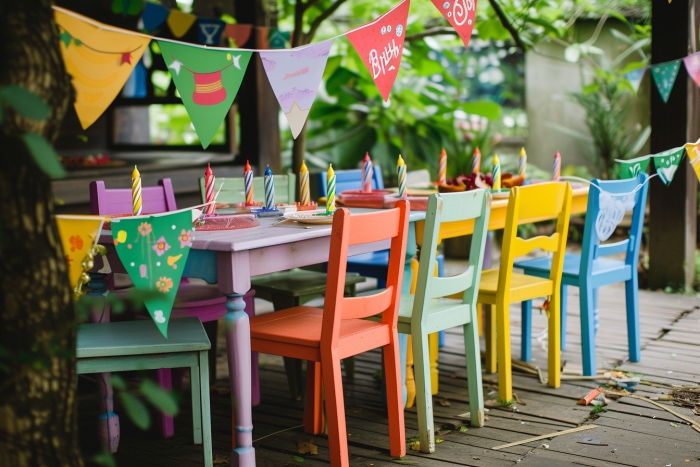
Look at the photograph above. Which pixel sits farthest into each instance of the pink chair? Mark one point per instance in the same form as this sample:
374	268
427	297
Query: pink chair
203	301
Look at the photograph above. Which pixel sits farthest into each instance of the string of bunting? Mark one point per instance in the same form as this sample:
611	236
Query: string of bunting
100	58
666	163
665	74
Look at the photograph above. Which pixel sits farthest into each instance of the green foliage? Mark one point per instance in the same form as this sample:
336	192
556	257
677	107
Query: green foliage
599	409
160	398
44	155
25	102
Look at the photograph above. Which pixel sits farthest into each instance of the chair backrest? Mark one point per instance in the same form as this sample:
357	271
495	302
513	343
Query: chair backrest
418	179
530	204
445	208
607	204
234	189
351	180
154	199
349	230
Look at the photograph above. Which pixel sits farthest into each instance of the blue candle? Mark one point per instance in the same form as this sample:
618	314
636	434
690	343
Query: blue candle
269	189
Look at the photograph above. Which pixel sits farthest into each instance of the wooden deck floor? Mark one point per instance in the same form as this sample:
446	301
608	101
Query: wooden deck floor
636	433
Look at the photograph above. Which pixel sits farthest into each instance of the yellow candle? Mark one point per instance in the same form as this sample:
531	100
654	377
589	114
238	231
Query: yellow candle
330	196
522	162
304	185
401	172
496	173
136	191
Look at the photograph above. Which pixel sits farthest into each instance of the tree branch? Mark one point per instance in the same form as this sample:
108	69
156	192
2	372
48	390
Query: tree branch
310	4
437	31
506	24
321	18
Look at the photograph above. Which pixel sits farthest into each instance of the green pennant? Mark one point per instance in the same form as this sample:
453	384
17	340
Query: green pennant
207	80
632	167
665	76
154	251
667	162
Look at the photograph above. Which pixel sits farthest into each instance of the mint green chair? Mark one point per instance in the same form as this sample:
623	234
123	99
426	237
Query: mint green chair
429	310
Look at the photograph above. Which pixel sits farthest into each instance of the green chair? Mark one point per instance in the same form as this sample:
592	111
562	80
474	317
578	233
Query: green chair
139	345
286	289
429	310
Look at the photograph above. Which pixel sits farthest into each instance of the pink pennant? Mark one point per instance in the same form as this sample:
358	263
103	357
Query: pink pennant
380	45
461	14
692	64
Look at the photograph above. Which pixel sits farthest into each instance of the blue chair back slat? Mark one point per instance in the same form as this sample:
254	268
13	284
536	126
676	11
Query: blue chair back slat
351	180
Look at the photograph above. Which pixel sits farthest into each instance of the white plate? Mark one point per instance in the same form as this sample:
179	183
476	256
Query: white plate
310	217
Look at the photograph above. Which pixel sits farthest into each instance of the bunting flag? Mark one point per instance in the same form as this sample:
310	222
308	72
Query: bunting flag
380	45
461	14
240	33
127	7
179	22
279	39
210	30
99	60
154	15
666	164
633	167
693	151
665	76
154	251
635	77
78	235
295	75
695	163
692	64
207	80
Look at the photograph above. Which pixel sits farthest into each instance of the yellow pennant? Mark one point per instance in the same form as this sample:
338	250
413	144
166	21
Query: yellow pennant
180	22
99	61
693	151
78	234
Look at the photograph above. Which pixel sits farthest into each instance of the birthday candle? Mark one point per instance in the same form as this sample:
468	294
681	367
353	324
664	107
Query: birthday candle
304	185
330	191
269	189
556	167
401	171
442	168
367	174
496	174
209	190
136	191
476	161
248	179
522	163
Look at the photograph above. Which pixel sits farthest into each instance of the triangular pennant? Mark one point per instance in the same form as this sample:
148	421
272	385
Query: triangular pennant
461	14
633	167
99	62
180	22
207	80
295	75
78	234
154	15
665	76
613	207
240	33
210	30
635	77
666	164
130	7
154	251
693	151
279	39
380	45
692	64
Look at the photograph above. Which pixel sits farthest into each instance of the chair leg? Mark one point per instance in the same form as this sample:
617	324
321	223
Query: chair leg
166	426
313	413
254	370
434	375
410	378
554	345
394	394
587	330
490	333
195	388
596	315
294	377
206	409
562	306
424	397
108	428
476	394
349	368
335	410
505	383
526	330
632	293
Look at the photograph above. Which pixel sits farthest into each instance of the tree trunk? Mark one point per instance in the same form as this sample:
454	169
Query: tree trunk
37	319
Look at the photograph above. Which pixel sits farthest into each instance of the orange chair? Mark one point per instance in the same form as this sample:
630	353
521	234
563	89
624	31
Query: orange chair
325	337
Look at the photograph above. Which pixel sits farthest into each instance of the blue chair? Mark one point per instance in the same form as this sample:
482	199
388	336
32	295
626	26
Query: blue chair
590	270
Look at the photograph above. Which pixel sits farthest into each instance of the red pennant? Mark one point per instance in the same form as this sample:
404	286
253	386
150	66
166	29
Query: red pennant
380	45
126	58
461	14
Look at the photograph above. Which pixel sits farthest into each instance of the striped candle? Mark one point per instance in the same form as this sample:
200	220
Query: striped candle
442	168
496	173
476	161
330	191
522	163
269	189
367	174
304	185
136	191
209	179
556	167
401	171
248	180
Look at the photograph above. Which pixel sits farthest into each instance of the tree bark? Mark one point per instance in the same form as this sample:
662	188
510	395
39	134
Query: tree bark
37	319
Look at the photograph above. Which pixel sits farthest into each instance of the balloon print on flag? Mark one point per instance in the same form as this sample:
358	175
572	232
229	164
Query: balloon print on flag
207	80
380	45
295	75
665	76
667	162
461	14
612	211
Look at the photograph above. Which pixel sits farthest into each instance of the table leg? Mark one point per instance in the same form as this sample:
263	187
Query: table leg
238	345
405	355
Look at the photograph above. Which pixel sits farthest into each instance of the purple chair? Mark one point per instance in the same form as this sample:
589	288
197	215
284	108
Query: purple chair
203	301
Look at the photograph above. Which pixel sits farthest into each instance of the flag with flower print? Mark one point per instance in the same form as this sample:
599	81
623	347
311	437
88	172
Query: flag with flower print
153	250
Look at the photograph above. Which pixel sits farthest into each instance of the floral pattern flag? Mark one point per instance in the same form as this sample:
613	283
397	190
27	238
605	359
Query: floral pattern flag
665	76
78	234
295	75
380	46
667	162
154	250
461	14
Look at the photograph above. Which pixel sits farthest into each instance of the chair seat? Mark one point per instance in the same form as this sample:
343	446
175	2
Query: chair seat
297	282
572	265
139	338
522	287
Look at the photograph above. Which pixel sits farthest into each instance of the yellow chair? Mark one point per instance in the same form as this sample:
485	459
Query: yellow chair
501	287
